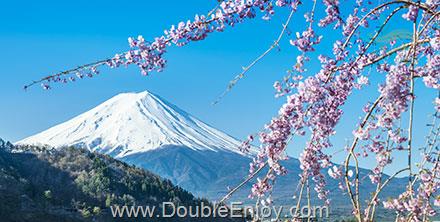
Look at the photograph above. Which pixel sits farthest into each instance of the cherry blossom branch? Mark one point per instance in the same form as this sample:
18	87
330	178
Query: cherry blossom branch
376	194
152	53
67	72
355	197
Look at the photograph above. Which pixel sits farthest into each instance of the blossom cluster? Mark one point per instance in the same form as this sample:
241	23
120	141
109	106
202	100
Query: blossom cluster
306	40
420	203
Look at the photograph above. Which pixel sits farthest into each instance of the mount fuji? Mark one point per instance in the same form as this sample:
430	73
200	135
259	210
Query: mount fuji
133	123
147	131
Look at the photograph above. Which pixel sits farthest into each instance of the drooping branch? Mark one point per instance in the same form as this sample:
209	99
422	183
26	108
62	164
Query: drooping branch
148	55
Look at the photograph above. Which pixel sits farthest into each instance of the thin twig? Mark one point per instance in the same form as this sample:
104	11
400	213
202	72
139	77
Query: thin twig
237	78
229	194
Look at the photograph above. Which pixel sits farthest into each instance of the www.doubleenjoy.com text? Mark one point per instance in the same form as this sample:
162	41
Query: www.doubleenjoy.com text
234	210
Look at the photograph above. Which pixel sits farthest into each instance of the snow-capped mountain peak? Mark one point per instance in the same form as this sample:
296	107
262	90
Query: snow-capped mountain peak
132	123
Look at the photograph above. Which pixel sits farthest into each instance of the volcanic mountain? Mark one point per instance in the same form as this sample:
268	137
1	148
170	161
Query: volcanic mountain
133	123
145	130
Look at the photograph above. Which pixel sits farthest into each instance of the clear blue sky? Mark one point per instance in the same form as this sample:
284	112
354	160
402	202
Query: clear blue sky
41	37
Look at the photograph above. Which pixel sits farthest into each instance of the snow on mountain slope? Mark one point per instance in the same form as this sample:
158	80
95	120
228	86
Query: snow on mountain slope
131	123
